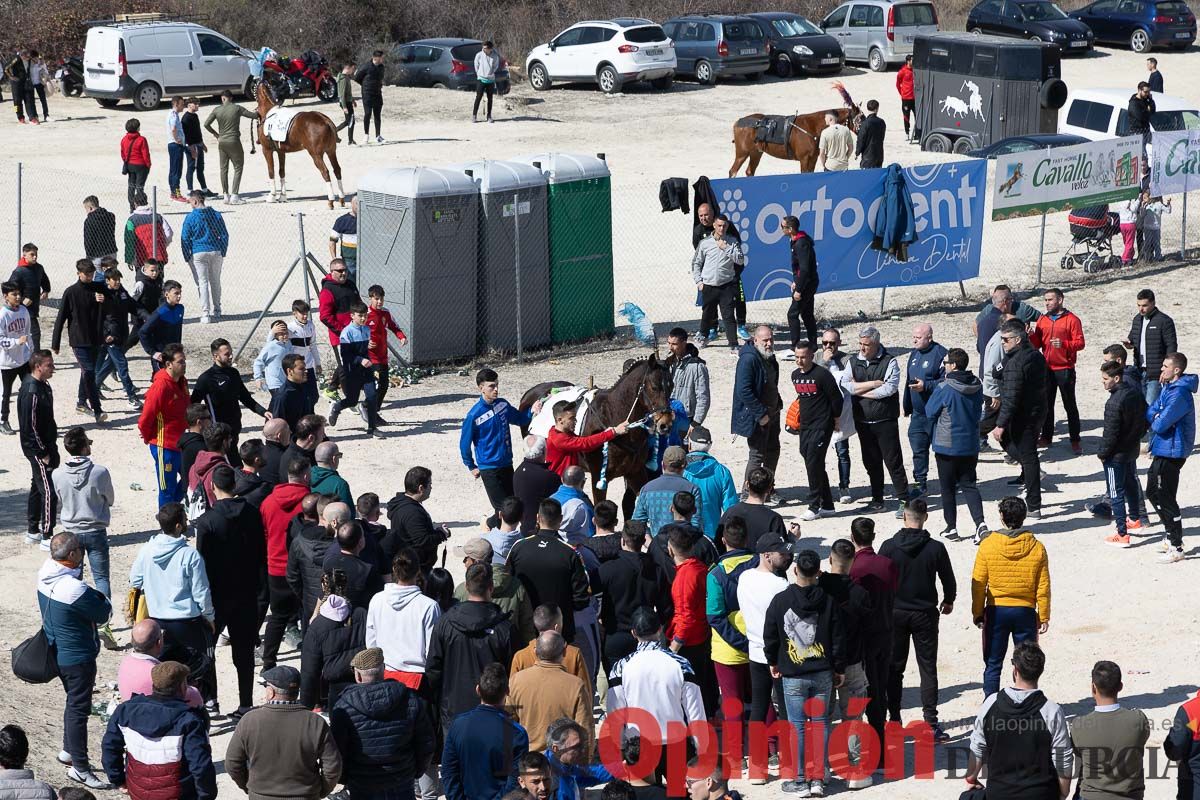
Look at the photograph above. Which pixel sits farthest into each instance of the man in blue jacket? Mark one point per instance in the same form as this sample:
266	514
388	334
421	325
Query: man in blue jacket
483	745
1172	419
925	370
71	610
953	410
205	241
756	401
569	759
164	326
711	478
485	430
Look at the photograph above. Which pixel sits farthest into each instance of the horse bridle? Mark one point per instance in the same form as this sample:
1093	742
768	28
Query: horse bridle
641	391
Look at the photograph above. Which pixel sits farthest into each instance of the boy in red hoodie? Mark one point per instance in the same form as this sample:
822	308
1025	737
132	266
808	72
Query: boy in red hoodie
278	510
380	321
688	630
563	446
163	419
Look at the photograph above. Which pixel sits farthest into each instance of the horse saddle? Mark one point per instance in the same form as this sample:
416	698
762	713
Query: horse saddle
544	421
279	122
771	129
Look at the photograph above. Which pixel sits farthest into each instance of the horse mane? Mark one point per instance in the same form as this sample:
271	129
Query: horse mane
840	88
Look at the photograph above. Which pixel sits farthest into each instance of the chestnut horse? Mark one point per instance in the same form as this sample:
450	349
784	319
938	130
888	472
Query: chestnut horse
311	131
803	137
644	389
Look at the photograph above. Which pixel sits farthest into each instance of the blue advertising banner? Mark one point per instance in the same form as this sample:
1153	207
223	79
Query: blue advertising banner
838	210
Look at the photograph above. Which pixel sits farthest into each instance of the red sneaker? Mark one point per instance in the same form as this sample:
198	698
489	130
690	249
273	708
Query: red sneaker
1043	441
1117	540
34	121
1133	524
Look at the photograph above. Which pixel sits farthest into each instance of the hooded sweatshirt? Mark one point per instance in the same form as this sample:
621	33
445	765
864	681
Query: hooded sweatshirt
400	620
804	632
71	610
1012	570
163	417
921	560
955	406
718	492
172	575
14	323
85	495
466	639
202	472
1173	419
278	510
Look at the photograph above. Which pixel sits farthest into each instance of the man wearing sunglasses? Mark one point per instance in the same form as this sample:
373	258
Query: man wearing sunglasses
838	363
1022	409
338	294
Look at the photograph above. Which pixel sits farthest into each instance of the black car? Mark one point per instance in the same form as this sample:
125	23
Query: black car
799	46
1023	144
1141	24
440	64
1040	20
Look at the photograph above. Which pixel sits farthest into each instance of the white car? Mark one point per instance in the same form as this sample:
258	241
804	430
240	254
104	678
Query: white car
1097	114
145	61
609	53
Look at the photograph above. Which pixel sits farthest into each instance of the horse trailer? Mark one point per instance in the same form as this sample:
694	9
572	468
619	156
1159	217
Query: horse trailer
973	90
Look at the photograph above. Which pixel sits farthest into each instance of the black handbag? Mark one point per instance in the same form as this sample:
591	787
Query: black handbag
974	793
35	660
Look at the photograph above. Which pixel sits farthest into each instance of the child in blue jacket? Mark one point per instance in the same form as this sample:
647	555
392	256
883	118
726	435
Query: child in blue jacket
164	326
354	345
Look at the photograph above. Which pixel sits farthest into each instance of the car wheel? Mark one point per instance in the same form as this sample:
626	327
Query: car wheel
147	97
539	77
1139	41
1035	38
783	67
664	83
609	79
108	103
975	31
704	73
937	143
876	61
439	85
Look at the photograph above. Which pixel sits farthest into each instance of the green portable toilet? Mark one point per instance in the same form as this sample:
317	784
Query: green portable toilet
581	251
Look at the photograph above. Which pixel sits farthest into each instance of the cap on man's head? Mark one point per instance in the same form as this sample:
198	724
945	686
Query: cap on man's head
371	658
772	543
700	435
282	677
675	456
477	548
167	676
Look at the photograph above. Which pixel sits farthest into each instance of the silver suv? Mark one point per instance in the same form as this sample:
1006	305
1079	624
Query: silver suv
879	32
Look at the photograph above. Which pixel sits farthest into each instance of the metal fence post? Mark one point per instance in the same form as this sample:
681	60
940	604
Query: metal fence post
1041	250
882	298
1182	231
20	167
154	222
303	258
517	259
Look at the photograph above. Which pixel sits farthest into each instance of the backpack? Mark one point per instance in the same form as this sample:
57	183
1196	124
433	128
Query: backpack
196	502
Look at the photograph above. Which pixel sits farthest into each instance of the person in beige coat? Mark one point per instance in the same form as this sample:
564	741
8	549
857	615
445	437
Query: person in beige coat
539	695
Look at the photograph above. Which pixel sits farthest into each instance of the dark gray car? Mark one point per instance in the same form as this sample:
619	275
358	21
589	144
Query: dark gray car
440	64
798	45
712	46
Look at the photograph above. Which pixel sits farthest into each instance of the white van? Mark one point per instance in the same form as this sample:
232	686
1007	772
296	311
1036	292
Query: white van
1097	114
147	61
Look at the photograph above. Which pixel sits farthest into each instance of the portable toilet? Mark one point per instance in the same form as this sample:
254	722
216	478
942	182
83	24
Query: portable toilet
514	255
581	251
417	238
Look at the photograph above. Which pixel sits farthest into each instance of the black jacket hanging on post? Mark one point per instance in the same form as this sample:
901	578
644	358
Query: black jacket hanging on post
672	193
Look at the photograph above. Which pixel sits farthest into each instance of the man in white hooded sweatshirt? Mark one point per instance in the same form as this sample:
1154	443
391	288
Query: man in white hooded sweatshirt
400	622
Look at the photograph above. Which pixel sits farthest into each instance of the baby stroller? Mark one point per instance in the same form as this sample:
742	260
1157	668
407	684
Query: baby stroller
1092	229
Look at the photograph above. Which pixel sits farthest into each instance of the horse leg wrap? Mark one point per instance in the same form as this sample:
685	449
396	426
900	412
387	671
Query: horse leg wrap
602	479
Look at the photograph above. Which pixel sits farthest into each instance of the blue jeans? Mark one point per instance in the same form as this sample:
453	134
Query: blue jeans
87	358
842	449
78	680
1121	481
175	172
796	692
920	434
95	545
998	623
167	464
1152	389
114	360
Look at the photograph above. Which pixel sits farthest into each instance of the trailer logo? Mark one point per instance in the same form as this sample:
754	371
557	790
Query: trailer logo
957	107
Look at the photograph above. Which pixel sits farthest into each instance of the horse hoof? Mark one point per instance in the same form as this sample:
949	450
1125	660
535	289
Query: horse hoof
331	205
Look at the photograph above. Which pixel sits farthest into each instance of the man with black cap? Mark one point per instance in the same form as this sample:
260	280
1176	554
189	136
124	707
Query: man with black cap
711	478
281	749
383	731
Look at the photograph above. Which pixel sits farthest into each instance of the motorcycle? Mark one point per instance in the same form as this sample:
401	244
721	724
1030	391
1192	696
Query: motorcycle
308	75
70	76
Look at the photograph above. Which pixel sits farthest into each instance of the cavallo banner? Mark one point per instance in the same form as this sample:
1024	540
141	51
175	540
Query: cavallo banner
1176	165
1059	178
838	209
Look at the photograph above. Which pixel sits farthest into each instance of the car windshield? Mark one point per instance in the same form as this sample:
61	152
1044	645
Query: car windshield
794	26
466	52
643	35
1175	120
1041	12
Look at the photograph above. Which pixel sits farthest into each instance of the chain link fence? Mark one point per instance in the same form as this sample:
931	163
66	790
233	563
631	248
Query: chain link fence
494	276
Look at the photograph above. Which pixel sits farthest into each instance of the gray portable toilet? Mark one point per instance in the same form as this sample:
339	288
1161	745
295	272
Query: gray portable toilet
514	251
417	238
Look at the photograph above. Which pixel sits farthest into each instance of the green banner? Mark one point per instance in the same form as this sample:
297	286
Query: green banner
1061	178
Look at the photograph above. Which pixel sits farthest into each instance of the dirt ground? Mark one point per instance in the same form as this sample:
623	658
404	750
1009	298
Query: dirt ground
1106	602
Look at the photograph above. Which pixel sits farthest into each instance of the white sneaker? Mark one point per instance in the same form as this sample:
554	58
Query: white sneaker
810	515
861	783
205	319
981	533
1164	545
236	200
845	499
378	140
88	778
64	757
950	533
816	789
1172	556
45	545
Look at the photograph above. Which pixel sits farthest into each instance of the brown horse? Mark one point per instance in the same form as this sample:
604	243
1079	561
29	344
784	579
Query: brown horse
802	138
644	389
311	131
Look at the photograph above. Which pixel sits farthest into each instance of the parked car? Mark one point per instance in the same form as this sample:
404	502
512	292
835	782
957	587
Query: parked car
1098	114
608	52
798	45
1141	24
1023	144
1031	19
440	64
712	46
879	32
145	61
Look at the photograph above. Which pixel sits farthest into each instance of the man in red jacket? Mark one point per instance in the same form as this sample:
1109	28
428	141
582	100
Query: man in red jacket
278	510
564	446
338	294
688	630
1059	333
908	95
163	419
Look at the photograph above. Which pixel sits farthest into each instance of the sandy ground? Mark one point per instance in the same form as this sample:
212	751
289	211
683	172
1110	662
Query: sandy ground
1106	602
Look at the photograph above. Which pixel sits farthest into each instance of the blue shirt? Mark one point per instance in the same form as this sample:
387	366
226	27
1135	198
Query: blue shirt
485	429
203	231
572	779
268	365
479	760
654	501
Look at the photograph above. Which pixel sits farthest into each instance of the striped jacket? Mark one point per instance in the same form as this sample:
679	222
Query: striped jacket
145	239
71	610
163	414
157	748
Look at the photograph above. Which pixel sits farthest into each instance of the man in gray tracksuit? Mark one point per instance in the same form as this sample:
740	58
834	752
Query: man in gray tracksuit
689	377
714	271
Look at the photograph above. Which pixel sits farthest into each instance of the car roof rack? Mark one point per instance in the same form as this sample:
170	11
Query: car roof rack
144	18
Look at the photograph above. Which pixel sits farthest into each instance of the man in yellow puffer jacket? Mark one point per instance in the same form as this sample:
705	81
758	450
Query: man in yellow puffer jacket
1010	590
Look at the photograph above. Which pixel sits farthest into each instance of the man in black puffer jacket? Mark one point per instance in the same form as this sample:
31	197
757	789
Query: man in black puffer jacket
306	558
411	525
1022	407
1151	338
370	77
383	731
337	634
1124	425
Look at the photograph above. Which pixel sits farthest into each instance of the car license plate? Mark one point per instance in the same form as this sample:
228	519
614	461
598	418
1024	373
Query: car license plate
831	61
1183	35
654	51
1079	44
908	39
749	51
